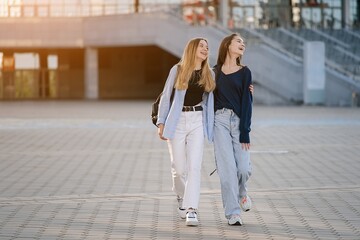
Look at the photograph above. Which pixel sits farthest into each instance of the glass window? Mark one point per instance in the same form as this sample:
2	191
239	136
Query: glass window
26	61
52	61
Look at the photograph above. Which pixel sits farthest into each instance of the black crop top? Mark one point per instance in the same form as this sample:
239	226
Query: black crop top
194	92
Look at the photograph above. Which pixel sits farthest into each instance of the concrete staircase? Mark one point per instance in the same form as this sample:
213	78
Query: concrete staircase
276	59
277	71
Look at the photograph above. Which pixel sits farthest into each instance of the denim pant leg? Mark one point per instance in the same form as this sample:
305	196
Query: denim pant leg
242	157
233	163
225	162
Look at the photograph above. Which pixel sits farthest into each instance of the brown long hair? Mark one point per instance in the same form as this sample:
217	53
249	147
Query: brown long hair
224	49
186	67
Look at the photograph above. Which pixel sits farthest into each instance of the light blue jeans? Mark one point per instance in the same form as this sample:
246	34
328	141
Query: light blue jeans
232	162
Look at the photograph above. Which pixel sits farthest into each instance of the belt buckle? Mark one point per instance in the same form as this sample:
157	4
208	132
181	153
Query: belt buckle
187	108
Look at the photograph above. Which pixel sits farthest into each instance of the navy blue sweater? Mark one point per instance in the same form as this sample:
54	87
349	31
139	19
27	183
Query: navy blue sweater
232	92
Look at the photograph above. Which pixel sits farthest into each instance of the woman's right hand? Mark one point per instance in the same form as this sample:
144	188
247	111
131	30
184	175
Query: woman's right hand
245	146
160	131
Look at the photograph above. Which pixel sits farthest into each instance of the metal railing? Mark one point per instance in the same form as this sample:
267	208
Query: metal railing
77	9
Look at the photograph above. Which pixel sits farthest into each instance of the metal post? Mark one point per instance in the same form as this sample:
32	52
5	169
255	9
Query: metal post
136	5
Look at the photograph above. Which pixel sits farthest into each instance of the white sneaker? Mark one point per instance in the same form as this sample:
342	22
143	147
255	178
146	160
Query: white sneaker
182	213
235	220
191	218
245	203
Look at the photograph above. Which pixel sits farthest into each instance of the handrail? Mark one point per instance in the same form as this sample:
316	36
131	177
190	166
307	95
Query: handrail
291	34
330	38
347	53
329	63
275	45
354	34
339	48
334	66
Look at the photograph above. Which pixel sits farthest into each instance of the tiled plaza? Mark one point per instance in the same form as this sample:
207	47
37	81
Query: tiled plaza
96	170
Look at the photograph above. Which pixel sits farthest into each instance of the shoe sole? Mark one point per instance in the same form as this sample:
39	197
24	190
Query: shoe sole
235	224
245	209
192	223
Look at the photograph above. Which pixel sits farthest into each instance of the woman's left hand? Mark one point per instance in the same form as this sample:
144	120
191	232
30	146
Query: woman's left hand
251	88
245	146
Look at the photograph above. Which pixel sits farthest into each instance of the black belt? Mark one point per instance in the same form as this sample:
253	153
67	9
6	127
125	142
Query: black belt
192	108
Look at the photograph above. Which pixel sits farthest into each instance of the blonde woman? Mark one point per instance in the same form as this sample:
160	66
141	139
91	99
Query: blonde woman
185	118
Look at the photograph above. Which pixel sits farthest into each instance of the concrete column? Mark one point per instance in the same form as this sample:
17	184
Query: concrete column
358	11
314	73
224	12
44	81
91	73
345	13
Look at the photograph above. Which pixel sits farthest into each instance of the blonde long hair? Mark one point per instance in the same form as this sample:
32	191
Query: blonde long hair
186	67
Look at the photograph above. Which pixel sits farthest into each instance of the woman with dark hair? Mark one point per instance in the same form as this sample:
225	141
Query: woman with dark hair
233	108
185	121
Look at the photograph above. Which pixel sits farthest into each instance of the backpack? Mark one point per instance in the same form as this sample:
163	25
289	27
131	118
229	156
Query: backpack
155	105
155	110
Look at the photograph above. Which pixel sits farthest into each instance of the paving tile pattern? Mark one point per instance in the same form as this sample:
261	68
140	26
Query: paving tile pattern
96	170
